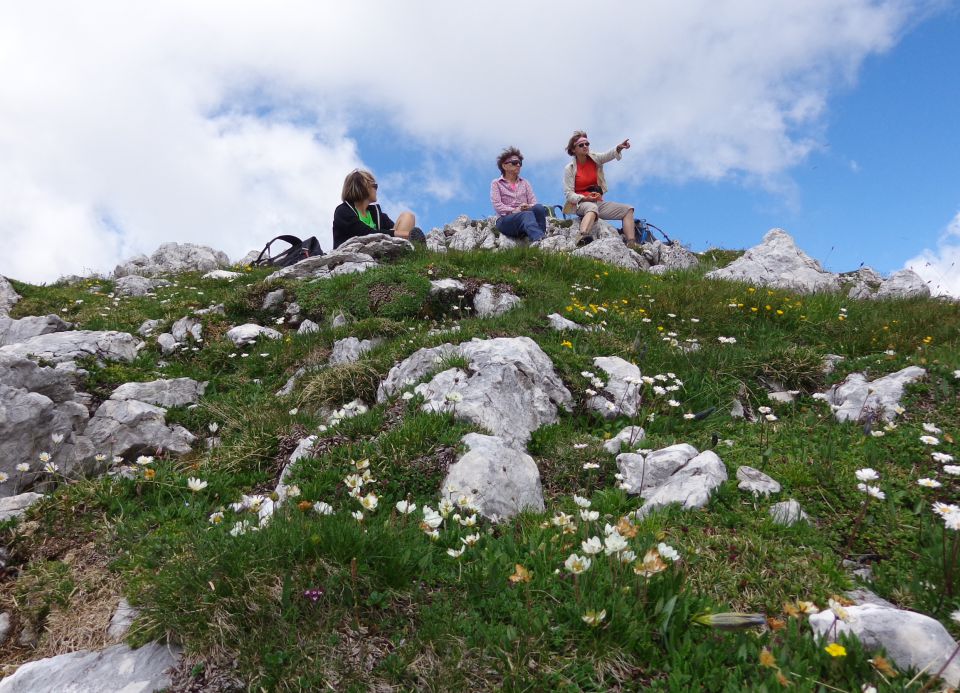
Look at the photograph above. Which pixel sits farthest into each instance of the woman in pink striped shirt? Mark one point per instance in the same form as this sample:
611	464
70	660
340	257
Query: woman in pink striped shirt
518	213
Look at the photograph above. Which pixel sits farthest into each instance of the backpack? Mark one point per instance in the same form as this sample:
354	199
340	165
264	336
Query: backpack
298	250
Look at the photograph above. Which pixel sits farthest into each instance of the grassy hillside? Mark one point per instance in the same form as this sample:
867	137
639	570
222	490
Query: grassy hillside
314	600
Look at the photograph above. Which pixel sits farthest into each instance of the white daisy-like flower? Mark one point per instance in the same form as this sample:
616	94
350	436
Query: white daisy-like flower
100	457
470	539
614	543
941	457
3	477
764	410
589	515
581	501
144	460
579	446
877	434
591	465
406	507
952	469
668	552
370	501
196	485
215	518
770	417
689	415
929	483
592	546
44	456
51	468
456	553
673	403
57	438
577	564
867	474
357	515
929	440
931	428
407	396
23	467
873	491
322	508
453	397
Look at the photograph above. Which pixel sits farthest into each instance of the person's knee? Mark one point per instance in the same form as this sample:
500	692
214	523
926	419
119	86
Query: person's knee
407	216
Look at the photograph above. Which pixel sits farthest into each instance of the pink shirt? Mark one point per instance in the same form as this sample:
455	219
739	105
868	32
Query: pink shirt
506	199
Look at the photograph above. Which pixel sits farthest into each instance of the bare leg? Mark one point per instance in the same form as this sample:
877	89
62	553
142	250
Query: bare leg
628	230
404	224
587	223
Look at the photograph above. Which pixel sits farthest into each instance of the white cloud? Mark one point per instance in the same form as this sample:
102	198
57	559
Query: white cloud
940	268
123	125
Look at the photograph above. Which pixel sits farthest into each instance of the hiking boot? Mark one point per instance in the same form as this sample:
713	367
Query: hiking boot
584	239
633	245
416	235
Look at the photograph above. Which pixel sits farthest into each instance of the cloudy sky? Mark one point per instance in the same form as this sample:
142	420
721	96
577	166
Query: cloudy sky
127	124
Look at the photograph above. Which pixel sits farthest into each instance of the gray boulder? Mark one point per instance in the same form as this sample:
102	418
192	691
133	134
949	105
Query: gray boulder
413	368
857	399
756	482
242	335
778	262
308	327
663	257
14	331
787	513
560	323
674	475
149	327
222	274
613	252
272	299
60	347
350	350
436	241
912	640
178	392
187	327
133	285
325	266
903	284
121	620
174	258
378	246
167	343
116	669
129	428
8	296
623	389
490	301
501	480
630	436
446	288
15	506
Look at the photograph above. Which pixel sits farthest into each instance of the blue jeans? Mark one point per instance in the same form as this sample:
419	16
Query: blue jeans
532	223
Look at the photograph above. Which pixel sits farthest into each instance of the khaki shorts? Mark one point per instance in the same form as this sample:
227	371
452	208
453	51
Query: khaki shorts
604	209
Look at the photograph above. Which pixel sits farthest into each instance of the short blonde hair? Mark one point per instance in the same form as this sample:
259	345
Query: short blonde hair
356	186
573	140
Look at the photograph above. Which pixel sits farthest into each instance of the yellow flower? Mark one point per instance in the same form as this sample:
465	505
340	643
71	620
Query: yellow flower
566	343
753	309
149	473
835	650
521	574
767	659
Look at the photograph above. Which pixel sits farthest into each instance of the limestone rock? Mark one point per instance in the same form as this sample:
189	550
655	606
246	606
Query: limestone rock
149	327
489	301
4	627
379	246
756	482
788	513
859	399
187	327
631	435
675	474
903	284
121	620
272	299
912	640
14	331
445	287
60	347
304	449
174	258
178	392
501	480
308	327
324	266
133	285
222	274
242	335
778	262
15	506
663	257
623	389
339	320
8	296
116	669
560	323
412	369
350	350
613	252
167	343
129	428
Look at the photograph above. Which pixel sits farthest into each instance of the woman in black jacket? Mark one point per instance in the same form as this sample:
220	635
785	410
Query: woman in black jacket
359	214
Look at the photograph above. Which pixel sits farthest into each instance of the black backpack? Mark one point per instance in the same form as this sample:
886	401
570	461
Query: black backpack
298	250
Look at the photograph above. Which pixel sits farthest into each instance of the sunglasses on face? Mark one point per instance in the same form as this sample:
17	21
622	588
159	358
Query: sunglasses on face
514	162
584	144
374	186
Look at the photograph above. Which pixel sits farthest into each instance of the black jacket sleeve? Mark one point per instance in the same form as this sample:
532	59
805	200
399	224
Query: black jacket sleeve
347	225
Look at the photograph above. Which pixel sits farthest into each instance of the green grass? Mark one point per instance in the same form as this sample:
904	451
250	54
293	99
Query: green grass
393	609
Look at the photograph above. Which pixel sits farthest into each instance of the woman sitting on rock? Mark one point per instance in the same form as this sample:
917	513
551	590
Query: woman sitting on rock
584	187
360	214
518	213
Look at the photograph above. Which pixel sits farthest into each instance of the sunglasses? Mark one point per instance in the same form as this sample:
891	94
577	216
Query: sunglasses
584	144
514	162
374	186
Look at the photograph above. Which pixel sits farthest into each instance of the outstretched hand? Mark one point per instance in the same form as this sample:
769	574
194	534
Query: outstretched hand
624	145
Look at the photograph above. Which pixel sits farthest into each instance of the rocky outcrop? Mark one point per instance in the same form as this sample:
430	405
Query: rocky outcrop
678	474
859	399
778	262
15	506
379	246
116	669
490	301
324	266
622	393
172	258
62	347
787	513
8	296
178	392
15	331
612	251
350	350
903	284
500	480
134	285
129	428
241	335
756	482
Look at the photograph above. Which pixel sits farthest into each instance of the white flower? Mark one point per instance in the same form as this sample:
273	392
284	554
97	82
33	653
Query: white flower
627	556
579	446
577	564
667	552
456	553
215	518
929	483
196	485
293	491
689	415
614	543
144	460
100	457
51	468
470	539
240	528
941	457
591	465
323	508
431	518
406	507
770	417
764	410
593	618
727	340
357	515
453	397
23	467
659	390
956	374
3	477
213	427
956	615
867	474
44	456
353	482
930	428
590	393
929	440
445	507
370	501
592	546
673	403
294	411
581	501
587	374
57	438
408	395
468	521
872	491
589	515
949	469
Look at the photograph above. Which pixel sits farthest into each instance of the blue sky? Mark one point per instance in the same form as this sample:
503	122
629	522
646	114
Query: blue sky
228	122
